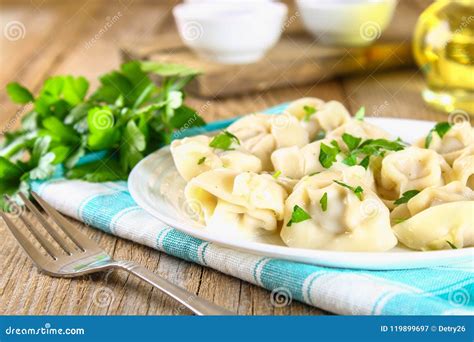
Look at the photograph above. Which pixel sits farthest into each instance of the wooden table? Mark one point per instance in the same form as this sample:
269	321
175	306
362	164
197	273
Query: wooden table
67	37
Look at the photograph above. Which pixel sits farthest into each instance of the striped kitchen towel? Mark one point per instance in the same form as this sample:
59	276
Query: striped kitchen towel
430	291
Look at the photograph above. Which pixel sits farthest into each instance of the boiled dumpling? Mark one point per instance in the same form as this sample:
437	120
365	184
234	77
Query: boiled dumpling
318	116
261	134
295	162
436	217
430	197
410	169
244	205
456	140
463	167
286	182
336	217
193	156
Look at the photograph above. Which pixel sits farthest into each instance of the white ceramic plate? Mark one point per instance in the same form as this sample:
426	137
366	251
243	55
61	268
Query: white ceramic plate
153	185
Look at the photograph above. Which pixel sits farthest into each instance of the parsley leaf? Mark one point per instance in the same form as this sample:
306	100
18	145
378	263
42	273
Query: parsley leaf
298	215
324	202
10	174
41	160
351	141
360	114
132	146
368	148
18	93
224	141
350	160
453	246
309	110
441	128
201	160
374	146
365	162
358	191
406	196
328	154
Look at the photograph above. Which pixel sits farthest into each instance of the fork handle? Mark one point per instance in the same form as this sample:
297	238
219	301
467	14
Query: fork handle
197	305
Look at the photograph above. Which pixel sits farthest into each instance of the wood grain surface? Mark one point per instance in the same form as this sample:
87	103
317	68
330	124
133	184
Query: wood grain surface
73	37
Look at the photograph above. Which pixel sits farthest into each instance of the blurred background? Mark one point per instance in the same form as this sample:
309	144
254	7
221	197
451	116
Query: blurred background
252	54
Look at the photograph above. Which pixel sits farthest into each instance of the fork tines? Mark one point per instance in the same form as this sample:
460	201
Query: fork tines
81	241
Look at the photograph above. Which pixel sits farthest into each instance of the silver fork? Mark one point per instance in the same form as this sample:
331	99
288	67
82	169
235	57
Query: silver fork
89	257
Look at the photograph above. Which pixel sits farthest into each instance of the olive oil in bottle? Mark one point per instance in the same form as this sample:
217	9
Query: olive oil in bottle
444	50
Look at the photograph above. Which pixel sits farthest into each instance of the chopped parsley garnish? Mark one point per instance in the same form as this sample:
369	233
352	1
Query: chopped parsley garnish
309	110
351	141
453	246
360	115
224	141
357	190
327	154
365	162
378	146
324	202
441	128
276	174
298	215
335	144
350	160
406	196
201	160
314	173
368	148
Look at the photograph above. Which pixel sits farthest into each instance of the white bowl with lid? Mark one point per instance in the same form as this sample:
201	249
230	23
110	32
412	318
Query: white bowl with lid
228	32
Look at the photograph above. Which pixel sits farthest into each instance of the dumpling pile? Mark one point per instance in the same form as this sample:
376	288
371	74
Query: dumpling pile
321	179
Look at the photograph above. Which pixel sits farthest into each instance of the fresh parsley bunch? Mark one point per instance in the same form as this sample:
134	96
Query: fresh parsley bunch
127	117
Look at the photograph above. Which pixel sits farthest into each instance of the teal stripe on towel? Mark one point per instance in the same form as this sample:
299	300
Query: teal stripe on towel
100	210
182	246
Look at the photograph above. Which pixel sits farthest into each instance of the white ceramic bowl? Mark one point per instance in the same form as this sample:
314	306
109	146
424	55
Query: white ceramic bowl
346	22
230	33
